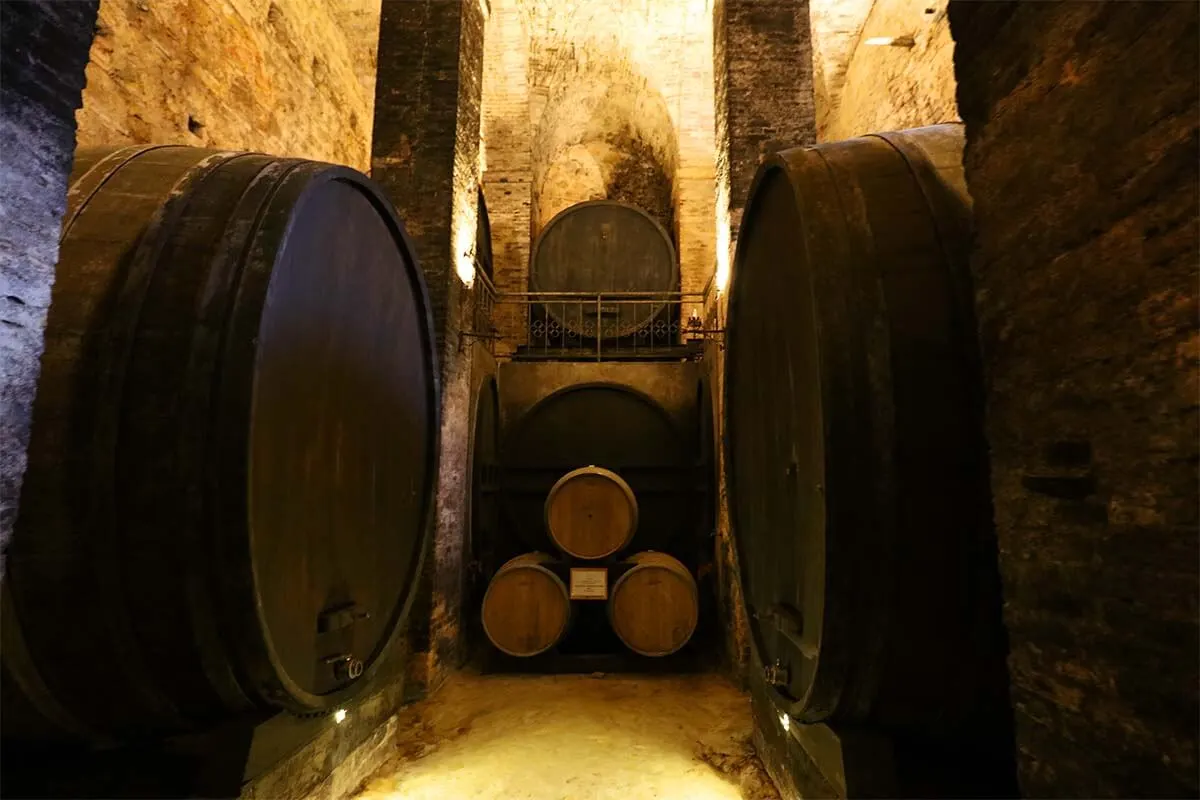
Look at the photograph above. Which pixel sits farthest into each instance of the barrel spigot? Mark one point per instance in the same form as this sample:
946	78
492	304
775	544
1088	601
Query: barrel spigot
777	674
345	667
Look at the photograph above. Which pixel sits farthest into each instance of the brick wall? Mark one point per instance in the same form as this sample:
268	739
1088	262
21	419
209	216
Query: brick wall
586	100
1082	161
44	48
426	156
836	31
286	77
766	55
764	102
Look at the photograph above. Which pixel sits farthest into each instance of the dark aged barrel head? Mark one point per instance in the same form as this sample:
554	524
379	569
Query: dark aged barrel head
604	246
340	418
855	448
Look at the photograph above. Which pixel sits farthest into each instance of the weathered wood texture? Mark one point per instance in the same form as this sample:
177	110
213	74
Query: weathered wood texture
527	607
591	513
604	246
856	467
654	606
232	461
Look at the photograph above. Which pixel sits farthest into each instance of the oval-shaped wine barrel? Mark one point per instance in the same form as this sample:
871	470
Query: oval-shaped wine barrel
527	607
856	469
654	606
591	513
233	451
604	246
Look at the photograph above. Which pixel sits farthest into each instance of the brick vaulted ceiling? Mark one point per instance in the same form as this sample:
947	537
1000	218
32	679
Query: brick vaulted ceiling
585	99
836	28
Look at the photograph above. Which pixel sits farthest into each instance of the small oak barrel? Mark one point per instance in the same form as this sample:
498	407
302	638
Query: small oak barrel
856	467
591	513
233	451
603	246
527	607
654	606
610	425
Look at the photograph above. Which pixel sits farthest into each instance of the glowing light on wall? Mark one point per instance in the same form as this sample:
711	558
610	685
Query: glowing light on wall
890	41
464	245
724	239
463	227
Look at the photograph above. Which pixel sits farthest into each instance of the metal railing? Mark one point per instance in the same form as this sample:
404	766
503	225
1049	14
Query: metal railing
573	325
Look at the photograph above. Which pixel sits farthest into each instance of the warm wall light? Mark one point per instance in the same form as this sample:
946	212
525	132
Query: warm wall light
463	225
785	721
890	41
724	242
339	716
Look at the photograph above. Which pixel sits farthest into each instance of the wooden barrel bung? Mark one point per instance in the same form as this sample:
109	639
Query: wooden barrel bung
591	513
654	607
526	607
232	458
856	471
603	246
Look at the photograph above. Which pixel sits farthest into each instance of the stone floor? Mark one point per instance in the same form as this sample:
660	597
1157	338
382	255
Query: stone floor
574	738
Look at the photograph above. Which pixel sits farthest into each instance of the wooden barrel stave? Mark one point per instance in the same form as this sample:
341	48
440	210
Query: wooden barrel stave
591	513
855	488
654	606
138	350
527	608
162	434
69	493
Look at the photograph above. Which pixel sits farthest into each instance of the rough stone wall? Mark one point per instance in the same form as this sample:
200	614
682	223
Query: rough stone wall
426	155
286	77
836	30
508	143
767	60
763	76
587	100
887	88
43	52
1082	161
322	759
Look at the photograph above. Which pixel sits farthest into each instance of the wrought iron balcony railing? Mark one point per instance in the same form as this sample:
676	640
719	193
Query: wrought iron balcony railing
608	325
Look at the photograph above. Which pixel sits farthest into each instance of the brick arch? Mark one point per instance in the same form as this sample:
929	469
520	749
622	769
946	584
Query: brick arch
604	133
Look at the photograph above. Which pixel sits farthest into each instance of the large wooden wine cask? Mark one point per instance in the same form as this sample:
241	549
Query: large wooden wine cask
233	450
527	607
603	246
616	428
654	606
591	513
856	467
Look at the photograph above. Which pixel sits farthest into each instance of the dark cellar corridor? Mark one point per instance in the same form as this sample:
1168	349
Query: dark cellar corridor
599	399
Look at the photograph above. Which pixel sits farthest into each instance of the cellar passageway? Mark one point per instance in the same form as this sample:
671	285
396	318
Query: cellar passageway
571	736
580	399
